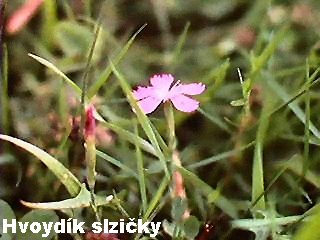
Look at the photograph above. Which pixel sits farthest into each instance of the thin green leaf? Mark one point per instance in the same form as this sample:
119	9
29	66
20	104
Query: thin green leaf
57	71
93	90
307	123
116	163
83	199
213	195
215	119
156	198
301	139
281	92
216	75
142	118
49	20
256	224
258	62
86	74
272	182
257	168
141	175
295	97
162	143
219	157
131	137
181	41
71	183
110	116
296	166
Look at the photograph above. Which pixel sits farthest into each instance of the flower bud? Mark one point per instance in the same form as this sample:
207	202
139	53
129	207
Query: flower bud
90	125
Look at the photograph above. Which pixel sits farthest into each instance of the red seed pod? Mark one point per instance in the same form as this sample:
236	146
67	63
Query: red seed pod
101	236
207	232
90	127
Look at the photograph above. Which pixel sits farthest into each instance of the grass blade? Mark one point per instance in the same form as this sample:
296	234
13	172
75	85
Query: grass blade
142	118
57	71
296	166
214	79
280	91
257	168
83	199
86	73
49	20
71	183
177	50
219	157
116	163
93	90
258	62
140	167
156	199
215	119
307	124
256	224
213	195
85	76
272	182
131	137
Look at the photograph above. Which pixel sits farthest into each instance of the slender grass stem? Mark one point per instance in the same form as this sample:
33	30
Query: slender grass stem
141	175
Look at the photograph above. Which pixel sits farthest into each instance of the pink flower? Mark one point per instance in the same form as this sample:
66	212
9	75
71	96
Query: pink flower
22	15
162	89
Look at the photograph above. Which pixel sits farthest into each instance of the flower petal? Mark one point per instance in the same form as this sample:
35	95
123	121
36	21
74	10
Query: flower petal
188	89
162	81
143	92
184	103
149	104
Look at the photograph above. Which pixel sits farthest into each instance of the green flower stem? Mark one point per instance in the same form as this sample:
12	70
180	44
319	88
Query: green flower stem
169	115
91	161
140	168
89	136
178	190
91	166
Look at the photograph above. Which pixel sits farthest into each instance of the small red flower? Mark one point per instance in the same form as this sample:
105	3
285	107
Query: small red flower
101	236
